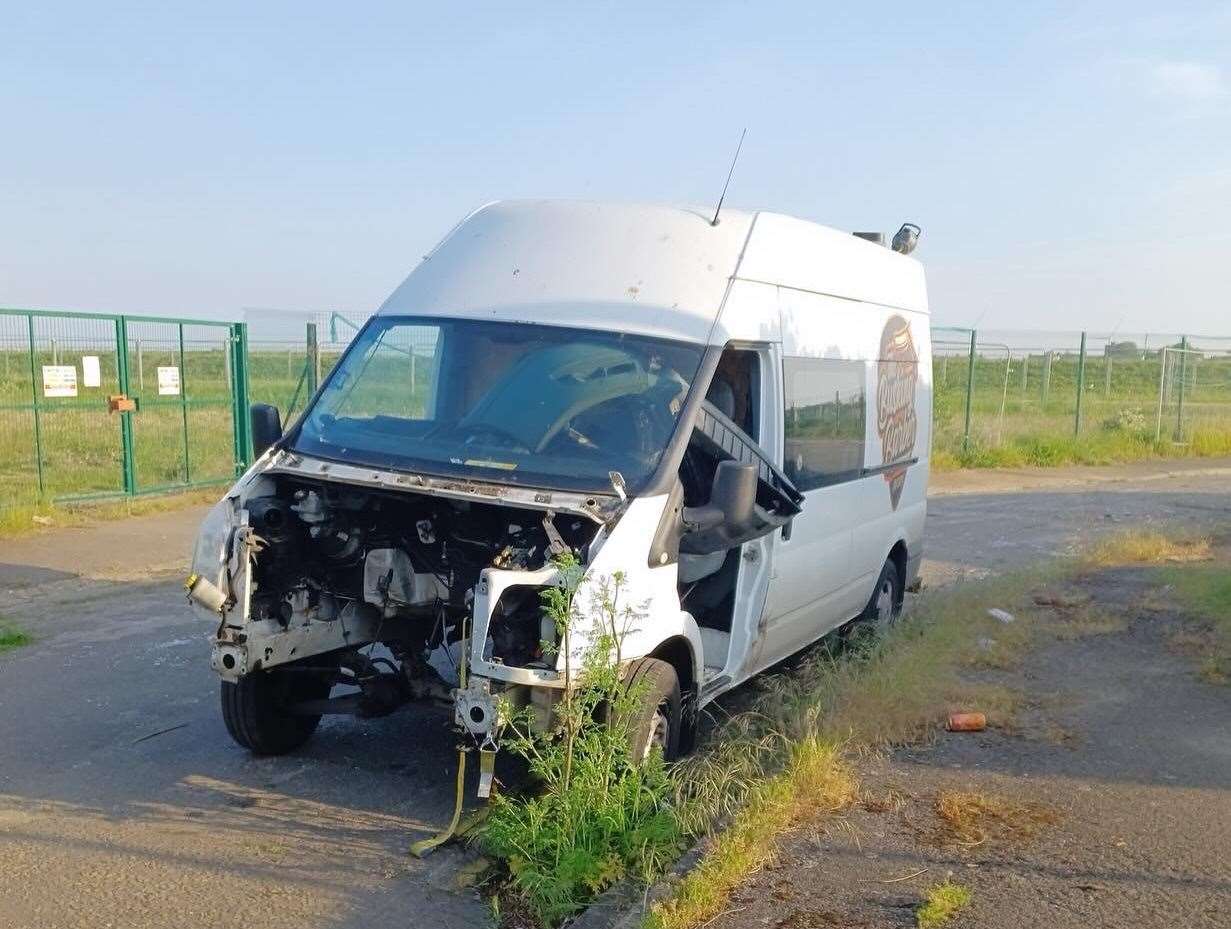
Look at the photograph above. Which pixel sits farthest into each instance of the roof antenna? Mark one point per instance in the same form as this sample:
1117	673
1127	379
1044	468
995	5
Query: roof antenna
718	209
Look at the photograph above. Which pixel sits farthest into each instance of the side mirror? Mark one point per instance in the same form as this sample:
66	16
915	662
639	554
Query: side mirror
729	516
266	427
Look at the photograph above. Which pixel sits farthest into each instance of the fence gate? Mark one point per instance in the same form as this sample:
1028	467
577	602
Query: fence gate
94	405
1194	393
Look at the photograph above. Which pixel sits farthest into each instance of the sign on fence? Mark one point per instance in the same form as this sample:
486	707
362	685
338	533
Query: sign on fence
169	381
59	381
60	441
91	373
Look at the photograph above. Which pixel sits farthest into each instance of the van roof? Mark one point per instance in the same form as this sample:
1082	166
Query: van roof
653	270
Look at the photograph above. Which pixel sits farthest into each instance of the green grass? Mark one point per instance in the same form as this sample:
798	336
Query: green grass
16	521
1091	448
941	903
1204	590
816	781
12	636
1021	427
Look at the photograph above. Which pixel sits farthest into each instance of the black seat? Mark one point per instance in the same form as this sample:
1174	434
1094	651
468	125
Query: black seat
722	395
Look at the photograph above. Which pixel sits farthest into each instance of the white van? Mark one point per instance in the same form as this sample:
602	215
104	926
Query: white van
735	417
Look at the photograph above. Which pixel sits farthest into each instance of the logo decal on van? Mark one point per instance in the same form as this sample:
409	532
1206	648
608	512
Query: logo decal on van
897	373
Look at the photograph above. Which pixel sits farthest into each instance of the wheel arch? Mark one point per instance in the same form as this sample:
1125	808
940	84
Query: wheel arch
899	555
677	651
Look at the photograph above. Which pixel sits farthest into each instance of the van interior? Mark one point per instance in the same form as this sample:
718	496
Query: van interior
707	582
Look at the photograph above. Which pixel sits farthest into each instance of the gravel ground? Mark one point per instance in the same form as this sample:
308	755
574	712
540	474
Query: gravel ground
124	803
1120	739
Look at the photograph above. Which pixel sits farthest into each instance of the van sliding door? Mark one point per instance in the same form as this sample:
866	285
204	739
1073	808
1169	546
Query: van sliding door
826	342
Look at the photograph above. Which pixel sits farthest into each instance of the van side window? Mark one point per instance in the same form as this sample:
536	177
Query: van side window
824	428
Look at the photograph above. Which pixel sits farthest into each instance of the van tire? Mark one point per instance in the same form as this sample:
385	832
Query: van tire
885	606
254	709
657	719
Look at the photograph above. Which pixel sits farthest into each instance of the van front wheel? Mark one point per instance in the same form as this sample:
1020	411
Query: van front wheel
256	711
885	606
656	719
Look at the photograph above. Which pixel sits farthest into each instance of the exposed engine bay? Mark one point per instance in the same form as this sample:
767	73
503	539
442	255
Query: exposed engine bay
375	589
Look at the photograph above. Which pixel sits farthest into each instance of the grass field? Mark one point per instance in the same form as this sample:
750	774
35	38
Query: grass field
1015	422
188	438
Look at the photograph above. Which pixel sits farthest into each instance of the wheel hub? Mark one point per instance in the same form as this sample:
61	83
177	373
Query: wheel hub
660	730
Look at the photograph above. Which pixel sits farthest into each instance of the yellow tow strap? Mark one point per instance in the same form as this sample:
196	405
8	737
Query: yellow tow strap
419	849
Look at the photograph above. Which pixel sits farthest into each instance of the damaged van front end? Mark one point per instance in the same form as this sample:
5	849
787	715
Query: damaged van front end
310	574
395	543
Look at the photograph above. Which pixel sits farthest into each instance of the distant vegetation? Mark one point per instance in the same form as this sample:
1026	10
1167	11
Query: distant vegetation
1024	411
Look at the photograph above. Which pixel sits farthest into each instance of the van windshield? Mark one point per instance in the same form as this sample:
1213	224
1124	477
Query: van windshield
515	403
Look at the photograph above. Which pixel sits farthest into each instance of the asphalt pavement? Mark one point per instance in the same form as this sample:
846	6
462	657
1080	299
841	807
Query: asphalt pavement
124	803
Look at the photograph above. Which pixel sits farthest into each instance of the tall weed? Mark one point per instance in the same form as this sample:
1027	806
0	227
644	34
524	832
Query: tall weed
600	816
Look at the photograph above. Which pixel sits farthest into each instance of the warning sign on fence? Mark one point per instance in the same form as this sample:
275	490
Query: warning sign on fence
169	381
59	381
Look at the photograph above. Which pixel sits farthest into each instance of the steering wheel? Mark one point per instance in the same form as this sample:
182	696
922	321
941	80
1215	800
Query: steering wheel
509	438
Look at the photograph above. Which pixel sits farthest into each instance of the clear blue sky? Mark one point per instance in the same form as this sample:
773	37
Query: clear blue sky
1069	163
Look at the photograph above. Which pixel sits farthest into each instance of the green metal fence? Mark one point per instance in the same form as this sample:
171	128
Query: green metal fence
1000	397
290	354
1107	395
66	432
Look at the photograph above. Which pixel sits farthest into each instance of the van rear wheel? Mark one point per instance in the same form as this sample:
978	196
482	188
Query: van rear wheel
885	606
655	722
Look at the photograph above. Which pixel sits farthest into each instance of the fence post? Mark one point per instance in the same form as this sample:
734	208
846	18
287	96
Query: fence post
1106	371
1046	385
238	353
1004	397
314	358
1081	385
1162	390
38	427
184	405
128	467
970	390
1179	408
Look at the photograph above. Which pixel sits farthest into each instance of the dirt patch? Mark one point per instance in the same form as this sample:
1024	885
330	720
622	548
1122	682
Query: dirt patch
970	818
1106	803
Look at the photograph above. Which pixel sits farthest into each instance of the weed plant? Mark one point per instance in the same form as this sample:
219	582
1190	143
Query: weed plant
600	815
